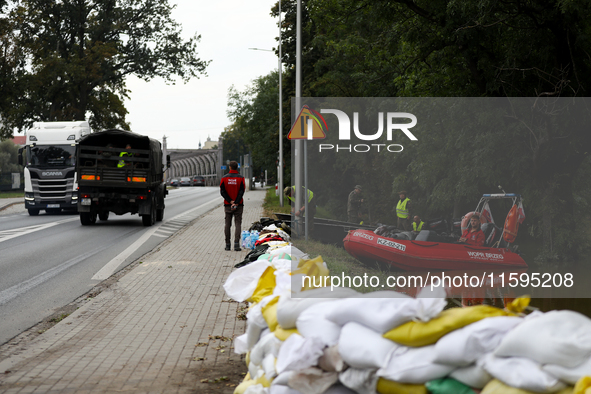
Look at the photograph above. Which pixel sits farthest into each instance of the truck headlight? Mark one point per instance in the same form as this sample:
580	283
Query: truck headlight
29	197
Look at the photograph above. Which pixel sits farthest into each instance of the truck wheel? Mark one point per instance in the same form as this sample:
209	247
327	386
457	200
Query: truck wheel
33	212
104	215
87	218
150	219
159	214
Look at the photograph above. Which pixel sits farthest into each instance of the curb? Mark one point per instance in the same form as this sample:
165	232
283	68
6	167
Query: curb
10	205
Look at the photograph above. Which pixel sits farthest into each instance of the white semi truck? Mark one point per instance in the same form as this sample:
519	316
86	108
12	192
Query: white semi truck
50	160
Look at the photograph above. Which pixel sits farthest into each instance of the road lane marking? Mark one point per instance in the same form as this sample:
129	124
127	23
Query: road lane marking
21	288
5	235
110	268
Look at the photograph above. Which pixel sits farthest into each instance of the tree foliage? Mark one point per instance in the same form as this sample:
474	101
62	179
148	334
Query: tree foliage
9	158
255	113
74	55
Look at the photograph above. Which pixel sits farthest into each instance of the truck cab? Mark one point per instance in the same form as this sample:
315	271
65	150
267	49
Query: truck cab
49	158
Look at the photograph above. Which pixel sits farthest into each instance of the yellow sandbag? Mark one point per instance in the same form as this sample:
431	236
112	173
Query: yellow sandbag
264	381
265	285
246	383
583	385
386	386
519	304
282	334
497	387
314	269
247	358
270	313
415	333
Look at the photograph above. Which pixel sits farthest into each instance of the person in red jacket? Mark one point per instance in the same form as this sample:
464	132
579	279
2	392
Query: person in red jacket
473	235
232	189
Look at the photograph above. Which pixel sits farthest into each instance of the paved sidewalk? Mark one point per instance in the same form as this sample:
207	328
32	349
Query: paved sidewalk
9	202
164	327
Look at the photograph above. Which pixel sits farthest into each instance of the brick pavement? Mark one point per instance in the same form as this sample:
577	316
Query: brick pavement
153	330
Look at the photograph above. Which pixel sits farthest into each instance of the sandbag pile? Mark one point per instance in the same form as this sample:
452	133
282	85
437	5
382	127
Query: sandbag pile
301	339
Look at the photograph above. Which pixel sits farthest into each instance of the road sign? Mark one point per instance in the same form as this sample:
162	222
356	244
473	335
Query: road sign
307	116
224	167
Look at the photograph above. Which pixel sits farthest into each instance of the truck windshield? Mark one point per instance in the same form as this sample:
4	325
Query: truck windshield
51	156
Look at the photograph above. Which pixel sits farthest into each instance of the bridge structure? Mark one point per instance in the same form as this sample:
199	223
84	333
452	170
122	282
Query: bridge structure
189	162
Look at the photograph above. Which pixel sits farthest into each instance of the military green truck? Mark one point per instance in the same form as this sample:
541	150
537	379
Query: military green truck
121	172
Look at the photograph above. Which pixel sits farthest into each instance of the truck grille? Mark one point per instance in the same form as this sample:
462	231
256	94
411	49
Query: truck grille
52	189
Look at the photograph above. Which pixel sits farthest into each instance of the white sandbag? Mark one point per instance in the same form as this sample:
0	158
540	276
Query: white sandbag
289	308
464	346
256	389
557	337
360	380
282	379
282	389
255	370
255	313
282	265
241	344
522	373
241	283
269	344
413	365
569	375
298	353
384	314
248	340
282	284
312	380
473	376
363	348
268	366
331	360
312	322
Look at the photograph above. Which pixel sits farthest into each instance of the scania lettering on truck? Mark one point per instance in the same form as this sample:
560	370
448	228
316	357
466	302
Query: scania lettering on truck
49	160
121	172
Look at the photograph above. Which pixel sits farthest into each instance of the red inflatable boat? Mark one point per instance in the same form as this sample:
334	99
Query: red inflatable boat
430	251
424	255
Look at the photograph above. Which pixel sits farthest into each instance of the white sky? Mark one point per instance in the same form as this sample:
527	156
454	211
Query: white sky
189	113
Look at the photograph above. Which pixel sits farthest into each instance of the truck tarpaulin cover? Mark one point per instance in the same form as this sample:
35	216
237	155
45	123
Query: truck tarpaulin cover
120	138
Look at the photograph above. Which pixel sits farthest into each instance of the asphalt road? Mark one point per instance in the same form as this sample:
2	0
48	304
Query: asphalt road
47	261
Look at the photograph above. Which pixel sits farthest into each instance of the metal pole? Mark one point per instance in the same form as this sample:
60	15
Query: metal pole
280	170
298	143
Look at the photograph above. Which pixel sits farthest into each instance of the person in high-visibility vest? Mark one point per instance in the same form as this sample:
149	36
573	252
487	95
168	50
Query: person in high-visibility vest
417	224
403	212
122	163
290	194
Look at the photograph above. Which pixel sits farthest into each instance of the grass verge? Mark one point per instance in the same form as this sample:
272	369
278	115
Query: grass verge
12	194
339	262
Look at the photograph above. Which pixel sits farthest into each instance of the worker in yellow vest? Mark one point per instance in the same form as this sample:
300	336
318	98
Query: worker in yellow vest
122	163
301	211
403	212
417	224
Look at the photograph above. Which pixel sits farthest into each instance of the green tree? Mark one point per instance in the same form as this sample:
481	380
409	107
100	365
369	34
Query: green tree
463	49
9	158
81	51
